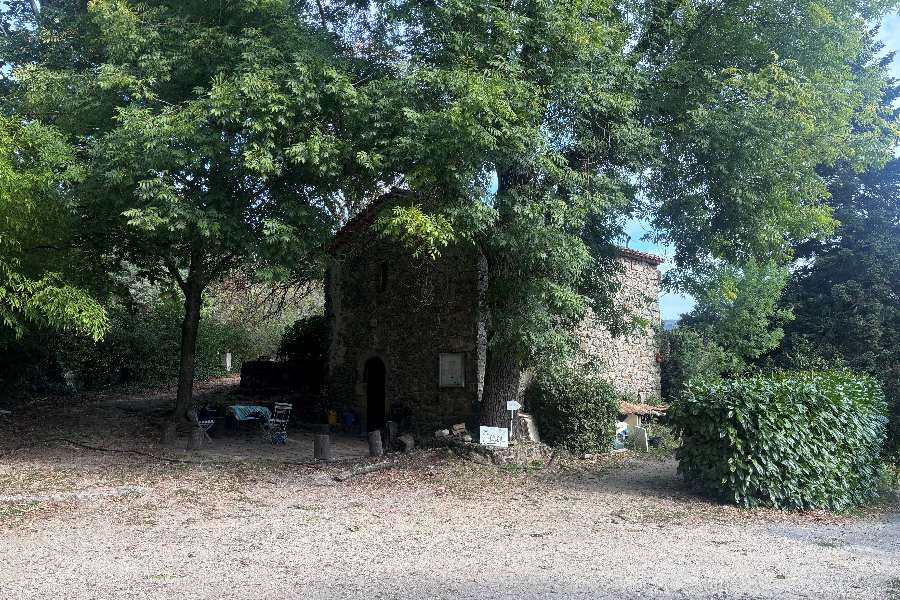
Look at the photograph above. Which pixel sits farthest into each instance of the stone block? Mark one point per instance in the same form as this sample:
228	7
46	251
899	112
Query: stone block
640	440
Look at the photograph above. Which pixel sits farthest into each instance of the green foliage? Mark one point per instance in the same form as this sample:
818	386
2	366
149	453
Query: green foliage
693	357
791	441
705	119
843	290
142	349
263	310
891	386
305	345
28	364
205	142
34	162
576	410
734	177
735	321
417	229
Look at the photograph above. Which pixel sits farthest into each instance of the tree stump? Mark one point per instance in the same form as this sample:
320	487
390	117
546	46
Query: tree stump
169	433
322	447
195	438
375	448
390	438
407	443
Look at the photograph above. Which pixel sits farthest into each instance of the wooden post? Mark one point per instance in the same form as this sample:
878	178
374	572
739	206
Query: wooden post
322	447
390	441
195	438
375	443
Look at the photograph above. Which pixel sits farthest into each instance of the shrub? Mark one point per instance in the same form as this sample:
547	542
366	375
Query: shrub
891	386
793	440
143	348
575	411
304	344
692	357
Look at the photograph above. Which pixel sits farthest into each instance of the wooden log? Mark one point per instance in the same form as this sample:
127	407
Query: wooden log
195	438
390	439
345	475
322	447
375	448
407	443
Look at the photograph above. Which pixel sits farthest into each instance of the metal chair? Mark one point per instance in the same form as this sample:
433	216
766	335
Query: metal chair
275	428
205	419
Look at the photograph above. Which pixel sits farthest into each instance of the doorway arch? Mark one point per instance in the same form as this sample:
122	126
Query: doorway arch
376	406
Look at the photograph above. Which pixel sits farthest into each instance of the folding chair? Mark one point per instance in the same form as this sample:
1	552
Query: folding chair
276	427
205	426
205	419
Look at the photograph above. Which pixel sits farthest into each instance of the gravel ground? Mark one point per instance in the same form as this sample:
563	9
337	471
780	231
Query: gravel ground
78	524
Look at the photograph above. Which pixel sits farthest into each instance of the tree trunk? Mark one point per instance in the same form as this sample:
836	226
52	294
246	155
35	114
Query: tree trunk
193	299
501	371
501	384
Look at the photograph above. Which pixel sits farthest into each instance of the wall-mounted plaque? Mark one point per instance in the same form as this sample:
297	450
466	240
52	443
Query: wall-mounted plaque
452	369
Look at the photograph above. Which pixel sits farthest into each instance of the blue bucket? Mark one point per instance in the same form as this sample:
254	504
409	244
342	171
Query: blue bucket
350	418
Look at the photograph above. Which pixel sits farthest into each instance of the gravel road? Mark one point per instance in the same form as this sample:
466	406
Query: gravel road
76	524
432	528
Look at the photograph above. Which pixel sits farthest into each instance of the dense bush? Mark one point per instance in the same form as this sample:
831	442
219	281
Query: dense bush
793	441
575	411
691	356
29	364
304	345
891	386
142	348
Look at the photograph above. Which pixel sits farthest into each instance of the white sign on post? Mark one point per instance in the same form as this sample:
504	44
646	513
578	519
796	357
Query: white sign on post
495	436
512	405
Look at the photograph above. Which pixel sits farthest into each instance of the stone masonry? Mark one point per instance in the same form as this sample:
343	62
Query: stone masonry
383	304
631	359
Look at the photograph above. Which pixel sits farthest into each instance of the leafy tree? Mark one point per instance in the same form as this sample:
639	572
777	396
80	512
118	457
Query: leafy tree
210	140
735	321
705	118
843	289
33	161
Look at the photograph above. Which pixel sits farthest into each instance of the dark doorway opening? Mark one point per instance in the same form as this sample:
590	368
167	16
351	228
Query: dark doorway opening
376	409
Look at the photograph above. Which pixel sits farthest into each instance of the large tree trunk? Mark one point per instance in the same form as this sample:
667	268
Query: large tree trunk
501	372
501	384
193	300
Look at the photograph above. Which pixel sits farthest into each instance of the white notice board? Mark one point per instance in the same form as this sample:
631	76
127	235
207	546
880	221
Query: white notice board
452	369
495	436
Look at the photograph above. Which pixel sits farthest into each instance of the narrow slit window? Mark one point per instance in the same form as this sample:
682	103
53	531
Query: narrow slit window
382	283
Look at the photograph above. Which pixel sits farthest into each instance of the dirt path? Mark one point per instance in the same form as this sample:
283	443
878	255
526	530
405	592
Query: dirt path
81	524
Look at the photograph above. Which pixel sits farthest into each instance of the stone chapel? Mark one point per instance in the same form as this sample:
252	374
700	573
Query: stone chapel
404	342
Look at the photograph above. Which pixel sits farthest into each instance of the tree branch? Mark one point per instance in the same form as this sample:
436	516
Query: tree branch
322	14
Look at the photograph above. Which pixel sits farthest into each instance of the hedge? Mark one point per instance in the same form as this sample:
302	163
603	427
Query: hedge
575	410
793	441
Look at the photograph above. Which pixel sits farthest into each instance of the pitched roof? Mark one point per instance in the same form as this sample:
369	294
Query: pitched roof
368	214
651	259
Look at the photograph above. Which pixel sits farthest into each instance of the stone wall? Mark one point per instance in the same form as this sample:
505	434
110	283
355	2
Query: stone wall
383	303
631	359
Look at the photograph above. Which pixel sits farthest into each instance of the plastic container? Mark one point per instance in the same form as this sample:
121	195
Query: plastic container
332	418
350	418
